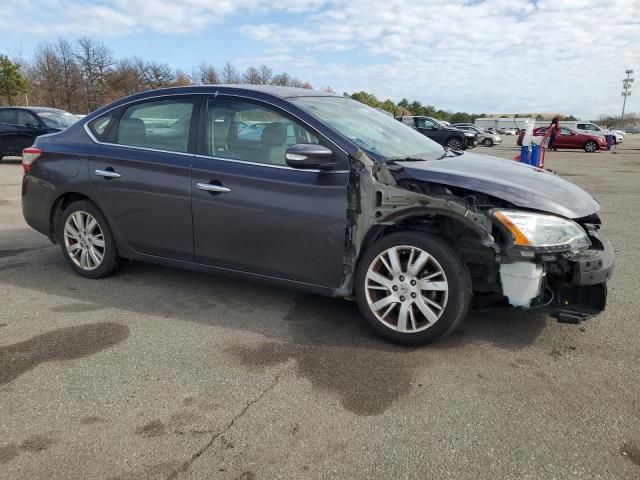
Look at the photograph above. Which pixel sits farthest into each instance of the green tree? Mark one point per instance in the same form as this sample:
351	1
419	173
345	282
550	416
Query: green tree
12	83
366	98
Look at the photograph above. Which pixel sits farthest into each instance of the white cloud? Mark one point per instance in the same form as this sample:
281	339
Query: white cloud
493	56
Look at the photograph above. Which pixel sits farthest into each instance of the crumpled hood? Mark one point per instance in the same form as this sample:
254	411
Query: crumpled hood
514	182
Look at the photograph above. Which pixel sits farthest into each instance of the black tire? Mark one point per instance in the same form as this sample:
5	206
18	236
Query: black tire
457	277
454	143
110	260
590	146
487	142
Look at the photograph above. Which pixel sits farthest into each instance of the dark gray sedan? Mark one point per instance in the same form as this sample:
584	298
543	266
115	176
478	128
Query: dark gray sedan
316	192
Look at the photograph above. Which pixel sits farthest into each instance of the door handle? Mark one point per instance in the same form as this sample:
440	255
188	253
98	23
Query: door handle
212	187
109	173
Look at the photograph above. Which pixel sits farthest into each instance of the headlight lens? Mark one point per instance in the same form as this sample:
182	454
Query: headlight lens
542	232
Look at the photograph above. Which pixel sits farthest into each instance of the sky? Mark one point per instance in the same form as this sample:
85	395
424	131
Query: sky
481	56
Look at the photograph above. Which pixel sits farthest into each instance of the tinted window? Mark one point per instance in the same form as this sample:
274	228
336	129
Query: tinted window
100	125
425	123
8	116
26	118
250	132
161	125
565	131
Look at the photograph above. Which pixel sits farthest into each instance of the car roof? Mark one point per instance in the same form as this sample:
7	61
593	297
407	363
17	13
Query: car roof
274	90
34	109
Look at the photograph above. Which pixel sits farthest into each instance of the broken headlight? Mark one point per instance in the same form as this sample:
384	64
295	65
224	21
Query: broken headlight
540	232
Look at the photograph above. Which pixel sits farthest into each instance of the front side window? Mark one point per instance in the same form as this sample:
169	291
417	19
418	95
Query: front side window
250	132
159	124
426	123
26	119
380	136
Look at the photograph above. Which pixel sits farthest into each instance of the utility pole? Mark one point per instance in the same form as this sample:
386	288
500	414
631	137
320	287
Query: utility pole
626	92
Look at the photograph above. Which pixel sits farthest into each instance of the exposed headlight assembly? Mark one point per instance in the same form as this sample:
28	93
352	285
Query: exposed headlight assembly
543	233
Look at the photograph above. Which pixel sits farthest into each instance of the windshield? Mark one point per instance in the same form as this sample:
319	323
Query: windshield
382	137
57	119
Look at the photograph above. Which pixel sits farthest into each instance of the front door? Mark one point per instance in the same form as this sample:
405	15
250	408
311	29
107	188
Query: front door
253	213
142	175
430	129
567	139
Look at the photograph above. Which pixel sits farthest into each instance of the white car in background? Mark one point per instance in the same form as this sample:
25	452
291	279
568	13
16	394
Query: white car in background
508	131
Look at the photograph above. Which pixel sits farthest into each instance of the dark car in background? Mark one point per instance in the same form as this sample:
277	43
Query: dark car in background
334	198
19	126
570	139
449	137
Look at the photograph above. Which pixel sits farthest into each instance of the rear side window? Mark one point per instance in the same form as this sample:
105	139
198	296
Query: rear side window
8	116
160	125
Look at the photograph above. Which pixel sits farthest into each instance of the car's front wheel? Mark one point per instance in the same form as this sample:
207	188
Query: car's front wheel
86	240
454	144
487	142
412	288
590	147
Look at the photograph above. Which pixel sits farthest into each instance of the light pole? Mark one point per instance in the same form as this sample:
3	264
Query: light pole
626	92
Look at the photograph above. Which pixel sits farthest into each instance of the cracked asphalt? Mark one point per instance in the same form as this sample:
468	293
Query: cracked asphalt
168	374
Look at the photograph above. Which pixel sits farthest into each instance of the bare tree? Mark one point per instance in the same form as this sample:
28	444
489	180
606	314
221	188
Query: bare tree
281	79
70	78
154	74
205	74
95	61
46	75
251	76
230	74
265	74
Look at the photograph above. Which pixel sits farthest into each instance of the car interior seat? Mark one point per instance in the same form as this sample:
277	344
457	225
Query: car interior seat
272	143
132	131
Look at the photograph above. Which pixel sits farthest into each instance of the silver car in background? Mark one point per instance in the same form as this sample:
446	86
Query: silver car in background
485	137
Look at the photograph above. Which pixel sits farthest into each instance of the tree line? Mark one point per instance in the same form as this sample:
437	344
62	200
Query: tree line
84	75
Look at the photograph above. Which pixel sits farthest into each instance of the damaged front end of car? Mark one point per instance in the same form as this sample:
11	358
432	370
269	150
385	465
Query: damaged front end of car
523	257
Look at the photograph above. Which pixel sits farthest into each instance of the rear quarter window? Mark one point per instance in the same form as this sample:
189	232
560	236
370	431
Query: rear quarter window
100	126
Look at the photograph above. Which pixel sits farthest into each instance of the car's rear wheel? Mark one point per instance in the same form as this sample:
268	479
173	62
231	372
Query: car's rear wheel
412	288
590	146
487	142
86	240
454	143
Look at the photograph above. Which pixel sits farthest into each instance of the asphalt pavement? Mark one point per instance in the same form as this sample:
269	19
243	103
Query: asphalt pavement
162	373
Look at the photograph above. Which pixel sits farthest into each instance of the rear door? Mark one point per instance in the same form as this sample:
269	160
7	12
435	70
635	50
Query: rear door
142	174
252	212
18	130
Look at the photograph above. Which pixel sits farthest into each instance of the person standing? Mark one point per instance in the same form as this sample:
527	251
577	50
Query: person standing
554	130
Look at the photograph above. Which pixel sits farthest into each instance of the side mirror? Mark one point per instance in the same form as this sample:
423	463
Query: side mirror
309	157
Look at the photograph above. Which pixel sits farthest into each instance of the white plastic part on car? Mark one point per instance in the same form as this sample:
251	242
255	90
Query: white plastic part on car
521	282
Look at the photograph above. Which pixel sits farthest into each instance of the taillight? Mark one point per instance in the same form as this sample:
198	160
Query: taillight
30	155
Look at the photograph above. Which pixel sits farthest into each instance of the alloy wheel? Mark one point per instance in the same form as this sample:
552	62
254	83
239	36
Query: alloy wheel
454	144
84	240
406	289
590	147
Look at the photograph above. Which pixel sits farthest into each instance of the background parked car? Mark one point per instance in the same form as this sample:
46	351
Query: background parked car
19	126
484	137
452	138
569	138
508	131
593	129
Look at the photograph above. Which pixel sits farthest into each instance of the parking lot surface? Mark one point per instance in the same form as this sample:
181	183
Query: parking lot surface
163	373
